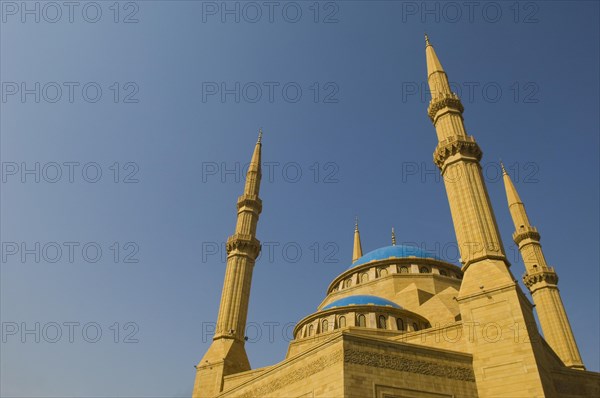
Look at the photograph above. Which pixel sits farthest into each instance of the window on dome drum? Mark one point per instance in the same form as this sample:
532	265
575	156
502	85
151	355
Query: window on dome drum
383	272
424	270
400	324
325	326
311	330
443	272
403	270
382	322
415	326
362	321
364	278
348	283
342	322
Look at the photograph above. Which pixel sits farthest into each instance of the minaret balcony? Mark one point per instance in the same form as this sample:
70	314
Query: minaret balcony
244	244
442	101
526	232
456	145
250	201
545	274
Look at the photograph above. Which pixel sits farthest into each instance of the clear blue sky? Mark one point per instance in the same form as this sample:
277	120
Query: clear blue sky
358	133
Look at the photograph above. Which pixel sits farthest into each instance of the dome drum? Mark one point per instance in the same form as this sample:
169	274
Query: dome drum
368	312
410	266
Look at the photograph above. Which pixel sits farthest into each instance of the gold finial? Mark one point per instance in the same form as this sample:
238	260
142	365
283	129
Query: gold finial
259	136
393	237
356	223
503	169
427	40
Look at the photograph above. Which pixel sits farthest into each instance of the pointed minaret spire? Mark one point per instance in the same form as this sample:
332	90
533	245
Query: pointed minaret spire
542	281
515	205
357	252
227	354
436	76
254	170
393	233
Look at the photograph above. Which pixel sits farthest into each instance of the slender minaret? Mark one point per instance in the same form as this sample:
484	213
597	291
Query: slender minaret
489	296
393	237
542	280
227	354
357	252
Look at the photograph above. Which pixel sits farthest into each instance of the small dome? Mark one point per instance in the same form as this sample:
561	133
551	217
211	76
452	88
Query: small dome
400	251
361	300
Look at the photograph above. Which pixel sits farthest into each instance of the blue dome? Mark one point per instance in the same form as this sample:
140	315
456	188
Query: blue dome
360	300
400	251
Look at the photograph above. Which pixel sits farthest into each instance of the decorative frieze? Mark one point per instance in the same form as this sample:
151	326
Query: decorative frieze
299	374
406	364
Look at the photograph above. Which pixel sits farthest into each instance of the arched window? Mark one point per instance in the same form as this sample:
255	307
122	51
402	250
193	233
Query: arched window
342	322
424	270
383	272
362	321
311	330
348	283
382	322
364	277
415	326
325	326
443	272
400	324
403	270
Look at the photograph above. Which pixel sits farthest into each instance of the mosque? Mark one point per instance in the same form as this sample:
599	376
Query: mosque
400	322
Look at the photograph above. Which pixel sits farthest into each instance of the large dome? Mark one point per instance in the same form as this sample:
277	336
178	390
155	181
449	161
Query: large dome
361	300
399	251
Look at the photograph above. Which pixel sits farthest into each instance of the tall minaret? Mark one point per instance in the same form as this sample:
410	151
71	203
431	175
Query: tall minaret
542	281
227	354
357	252
489	296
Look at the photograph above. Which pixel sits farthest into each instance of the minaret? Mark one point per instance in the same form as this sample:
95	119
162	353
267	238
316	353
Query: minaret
542	280
357	252
489	296
227	354
457	155
393	237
